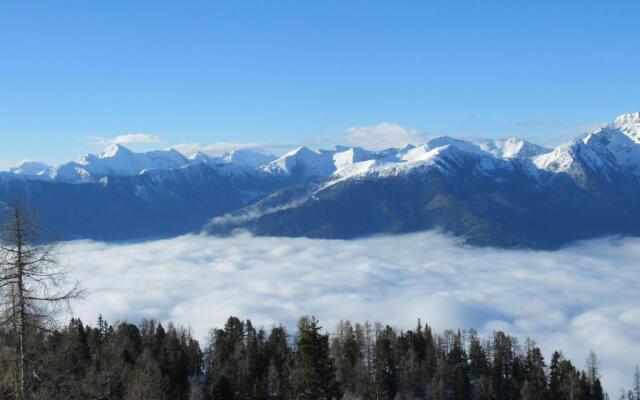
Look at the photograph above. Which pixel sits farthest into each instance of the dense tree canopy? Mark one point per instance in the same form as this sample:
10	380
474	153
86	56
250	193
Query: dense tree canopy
356	361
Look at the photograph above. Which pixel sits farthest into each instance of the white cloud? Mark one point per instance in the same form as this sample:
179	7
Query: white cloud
581	298
137	138
383	135
132	138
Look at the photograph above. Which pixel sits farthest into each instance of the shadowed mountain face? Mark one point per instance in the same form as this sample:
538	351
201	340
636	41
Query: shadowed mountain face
504	193
152	205
512	211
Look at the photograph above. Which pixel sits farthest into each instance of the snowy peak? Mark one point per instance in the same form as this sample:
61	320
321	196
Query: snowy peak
247	158
460	144
561	159
422	152
244	159
302	162
170	156
349	156
441	154
116	160
625	119
201	157
115	150
629	124
500	148
613	149
31	168
511	148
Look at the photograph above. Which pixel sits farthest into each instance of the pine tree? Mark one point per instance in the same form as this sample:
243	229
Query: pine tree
597	392
535	384
415	362
458	371
386	364
503	366
228	370
146	381
278	355
479	369
348	356
555	376
174	364
593	367
439	388
569	381
314	372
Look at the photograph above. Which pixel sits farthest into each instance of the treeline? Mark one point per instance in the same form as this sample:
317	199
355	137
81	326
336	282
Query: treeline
357	361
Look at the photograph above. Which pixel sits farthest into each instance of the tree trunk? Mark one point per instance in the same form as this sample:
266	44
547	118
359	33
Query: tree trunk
21	394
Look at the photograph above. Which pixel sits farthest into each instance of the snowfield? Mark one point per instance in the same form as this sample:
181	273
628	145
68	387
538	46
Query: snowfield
581	298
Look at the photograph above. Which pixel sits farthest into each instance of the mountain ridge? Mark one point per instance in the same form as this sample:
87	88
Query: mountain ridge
500	192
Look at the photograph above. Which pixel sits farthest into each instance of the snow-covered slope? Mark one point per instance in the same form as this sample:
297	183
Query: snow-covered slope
200	157
302	162
511	148
501	193
609	151
116	160
629	124
343	162
345	156
32	168
235	161
247	158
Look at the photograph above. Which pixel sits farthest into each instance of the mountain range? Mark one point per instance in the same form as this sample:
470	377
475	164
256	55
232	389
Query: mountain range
503	193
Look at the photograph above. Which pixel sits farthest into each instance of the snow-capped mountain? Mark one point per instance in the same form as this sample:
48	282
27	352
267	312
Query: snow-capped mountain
31	168
501	193
247	158
343	161
115	160
302	162
345	156
511	148
629	124
118	161
505	192
609	152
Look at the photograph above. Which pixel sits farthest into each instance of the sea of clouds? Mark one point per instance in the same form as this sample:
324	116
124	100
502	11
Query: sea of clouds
581	298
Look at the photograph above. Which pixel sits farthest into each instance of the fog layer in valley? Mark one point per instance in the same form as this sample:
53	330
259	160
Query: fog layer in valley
577	299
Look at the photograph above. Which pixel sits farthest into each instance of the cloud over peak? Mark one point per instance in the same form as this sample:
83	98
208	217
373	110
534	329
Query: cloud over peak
383	135
131	138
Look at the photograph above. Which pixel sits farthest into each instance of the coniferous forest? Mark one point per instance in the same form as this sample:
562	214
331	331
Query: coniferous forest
240	361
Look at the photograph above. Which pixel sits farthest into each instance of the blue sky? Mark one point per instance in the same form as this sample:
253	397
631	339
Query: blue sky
289	72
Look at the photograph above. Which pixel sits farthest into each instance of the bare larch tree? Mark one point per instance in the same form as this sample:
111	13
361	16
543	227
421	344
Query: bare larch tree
33	286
